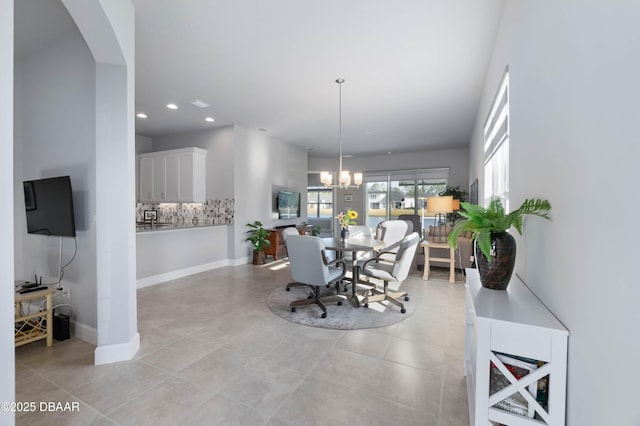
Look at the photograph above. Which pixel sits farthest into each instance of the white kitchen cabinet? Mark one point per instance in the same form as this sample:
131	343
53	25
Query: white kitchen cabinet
159	191
145	179
507	328
173	176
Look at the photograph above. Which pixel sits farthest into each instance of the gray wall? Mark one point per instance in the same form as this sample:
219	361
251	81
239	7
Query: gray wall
54	136
219	143
263	166
574	70
7	349
456	159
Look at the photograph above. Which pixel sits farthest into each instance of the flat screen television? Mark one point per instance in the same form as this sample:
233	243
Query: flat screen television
49	207
288	204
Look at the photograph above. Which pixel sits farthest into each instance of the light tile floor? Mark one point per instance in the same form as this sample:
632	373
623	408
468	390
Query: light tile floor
212	353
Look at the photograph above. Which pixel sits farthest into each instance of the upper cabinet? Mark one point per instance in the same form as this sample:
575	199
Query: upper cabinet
174	176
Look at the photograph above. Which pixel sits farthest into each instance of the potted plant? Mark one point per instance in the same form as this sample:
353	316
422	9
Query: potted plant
495	248
259	239
455	192
346	219
458	195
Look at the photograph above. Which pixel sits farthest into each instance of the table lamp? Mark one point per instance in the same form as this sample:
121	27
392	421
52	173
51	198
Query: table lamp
440	206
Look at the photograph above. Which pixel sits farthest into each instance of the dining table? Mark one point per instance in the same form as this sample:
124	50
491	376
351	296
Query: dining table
353	245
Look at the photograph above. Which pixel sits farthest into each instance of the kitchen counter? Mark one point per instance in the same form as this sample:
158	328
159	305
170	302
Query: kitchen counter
168	253
156	227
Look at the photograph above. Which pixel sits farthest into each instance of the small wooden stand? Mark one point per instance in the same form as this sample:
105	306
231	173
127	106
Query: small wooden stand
451	260
37	326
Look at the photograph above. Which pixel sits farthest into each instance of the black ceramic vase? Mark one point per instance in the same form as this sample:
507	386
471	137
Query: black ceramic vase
497	273
344	234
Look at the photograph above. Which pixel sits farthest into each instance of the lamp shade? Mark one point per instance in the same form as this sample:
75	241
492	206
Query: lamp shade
439	204
456	205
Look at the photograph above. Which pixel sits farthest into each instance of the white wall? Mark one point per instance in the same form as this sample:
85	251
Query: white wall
575	92
7	351
57	85
108	29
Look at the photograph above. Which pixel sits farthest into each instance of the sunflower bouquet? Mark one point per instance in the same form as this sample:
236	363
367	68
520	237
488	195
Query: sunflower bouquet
348	218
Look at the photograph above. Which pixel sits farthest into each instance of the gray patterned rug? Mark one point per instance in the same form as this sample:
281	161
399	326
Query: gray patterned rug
345	317
442	274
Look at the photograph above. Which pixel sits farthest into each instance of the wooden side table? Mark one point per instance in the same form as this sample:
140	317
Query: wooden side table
426	244
277	247
37	326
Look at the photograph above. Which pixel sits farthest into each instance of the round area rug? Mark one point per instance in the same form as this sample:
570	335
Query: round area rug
345	317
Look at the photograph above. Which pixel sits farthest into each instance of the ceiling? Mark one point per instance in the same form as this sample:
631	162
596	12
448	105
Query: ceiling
413	69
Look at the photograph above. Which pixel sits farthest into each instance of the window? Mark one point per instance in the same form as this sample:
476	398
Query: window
319	202
496	146
391	194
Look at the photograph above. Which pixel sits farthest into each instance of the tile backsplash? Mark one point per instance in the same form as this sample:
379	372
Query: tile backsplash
211	212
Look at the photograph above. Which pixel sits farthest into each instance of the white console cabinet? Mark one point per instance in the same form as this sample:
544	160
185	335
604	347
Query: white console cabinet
507	328
177	175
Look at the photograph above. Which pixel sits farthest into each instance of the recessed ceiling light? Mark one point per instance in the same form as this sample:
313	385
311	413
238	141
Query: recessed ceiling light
141	115
172	106
209	119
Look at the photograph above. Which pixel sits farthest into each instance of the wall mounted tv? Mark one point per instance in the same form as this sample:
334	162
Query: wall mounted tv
288	204
49	206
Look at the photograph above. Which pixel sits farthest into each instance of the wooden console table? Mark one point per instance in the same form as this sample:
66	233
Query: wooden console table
451	260
277	247
36	326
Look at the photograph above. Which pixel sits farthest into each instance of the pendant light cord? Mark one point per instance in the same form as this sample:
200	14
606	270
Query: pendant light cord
340	81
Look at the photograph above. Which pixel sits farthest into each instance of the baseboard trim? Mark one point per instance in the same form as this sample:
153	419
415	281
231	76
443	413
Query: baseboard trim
241	261
180	273
84	332
115	353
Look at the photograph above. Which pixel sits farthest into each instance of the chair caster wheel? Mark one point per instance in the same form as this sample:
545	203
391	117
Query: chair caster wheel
366	305
323	315
288	289
406	298
403	311
293	309
339	303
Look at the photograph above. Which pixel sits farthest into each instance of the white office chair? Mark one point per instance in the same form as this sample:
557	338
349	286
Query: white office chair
391	232
309	266
357	231
395	270
360	231
286	233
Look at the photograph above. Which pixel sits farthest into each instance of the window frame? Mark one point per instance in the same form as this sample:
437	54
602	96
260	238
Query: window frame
496	138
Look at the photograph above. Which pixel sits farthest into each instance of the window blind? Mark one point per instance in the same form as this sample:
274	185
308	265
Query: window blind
496	126
437	174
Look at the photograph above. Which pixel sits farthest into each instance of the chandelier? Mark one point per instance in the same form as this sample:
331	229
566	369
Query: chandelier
344	177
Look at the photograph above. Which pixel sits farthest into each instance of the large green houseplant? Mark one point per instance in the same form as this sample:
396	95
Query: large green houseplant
259	239
495	248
